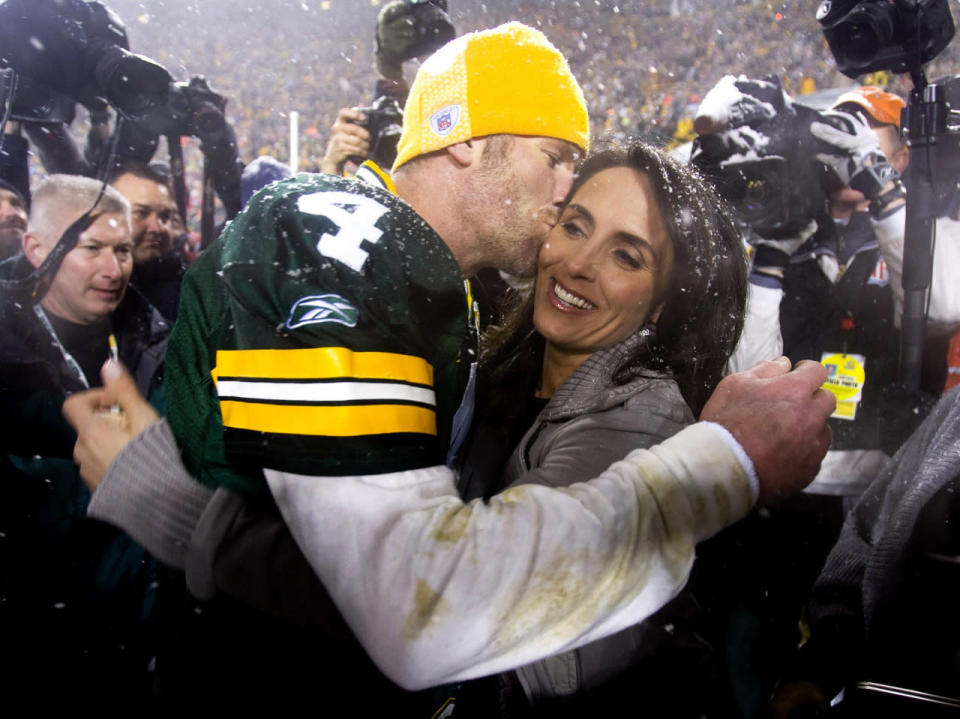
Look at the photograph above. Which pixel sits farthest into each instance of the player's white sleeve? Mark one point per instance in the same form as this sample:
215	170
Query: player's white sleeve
437	590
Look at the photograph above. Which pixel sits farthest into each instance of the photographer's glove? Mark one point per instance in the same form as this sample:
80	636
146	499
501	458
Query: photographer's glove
737	101
855	152
736	145
396	36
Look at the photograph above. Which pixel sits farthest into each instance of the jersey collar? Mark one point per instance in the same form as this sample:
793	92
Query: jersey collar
373	174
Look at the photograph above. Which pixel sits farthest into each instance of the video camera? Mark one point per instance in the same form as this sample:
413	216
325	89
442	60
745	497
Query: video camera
894	35
763	160
77	49
902	36
67	51
406	29
431	26
384	123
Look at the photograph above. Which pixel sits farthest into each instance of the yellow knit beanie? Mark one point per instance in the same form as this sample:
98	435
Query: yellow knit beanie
508	80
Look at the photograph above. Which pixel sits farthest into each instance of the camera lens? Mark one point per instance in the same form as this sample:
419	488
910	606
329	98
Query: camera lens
131	83
755	194
869	30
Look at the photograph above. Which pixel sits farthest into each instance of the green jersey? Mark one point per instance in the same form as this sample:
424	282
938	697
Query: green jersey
327	332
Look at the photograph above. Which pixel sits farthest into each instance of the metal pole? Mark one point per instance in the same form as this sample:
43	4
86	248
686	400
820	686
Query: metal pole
294	141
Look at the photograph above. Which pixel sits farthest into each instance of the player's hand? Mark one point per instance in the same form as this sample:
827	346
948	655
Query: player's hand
779	416
106	419
347	139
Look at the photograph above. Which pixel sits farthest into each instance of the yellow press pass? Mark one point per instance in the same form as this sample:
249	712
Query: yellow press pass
845	379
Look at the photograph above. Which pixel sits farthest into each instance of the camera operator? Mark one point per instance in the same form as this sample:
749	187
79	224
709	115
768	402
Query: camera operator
906	506
839	275
348	138
781	164
406	29
65	52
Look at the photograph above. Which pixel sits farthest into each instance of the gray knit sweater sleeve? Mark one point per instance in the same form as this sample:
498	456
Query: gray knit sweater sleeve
148	493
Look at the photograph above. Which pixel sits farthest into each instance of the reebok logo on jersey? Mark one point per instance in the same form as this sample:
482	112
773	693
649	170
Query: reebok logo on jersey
317	309
445	119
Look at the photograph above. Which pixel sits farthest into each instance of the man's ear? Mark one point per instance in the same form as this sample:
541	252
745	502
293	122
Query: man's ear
34	249
464	153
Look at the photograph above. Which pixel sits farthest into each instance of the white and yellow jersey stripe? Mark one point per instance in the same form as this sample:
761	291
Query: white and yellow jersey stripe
325	391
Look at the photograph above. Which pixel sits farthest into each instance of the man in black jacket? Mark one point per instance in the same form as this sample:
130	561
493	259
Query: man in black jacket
157	268
77	594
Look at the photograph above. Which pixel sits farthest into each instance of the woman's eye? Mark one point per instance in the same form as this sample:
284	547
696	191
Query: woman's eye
628	259
572	229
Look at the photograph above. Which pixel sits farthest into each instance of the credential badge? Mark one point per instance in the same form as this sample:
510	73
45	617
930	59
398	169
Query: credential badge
318	309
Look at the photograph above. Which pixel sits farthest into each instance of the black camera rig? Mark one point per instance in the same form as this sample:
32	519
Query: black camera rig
384	122
901	36
63	52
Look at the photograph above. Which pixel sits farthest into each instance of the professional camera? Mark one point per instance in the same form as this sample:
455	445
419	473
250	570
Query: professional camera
894	35
384	123
432	27
944	132
78	49
33	103
193	108
768	171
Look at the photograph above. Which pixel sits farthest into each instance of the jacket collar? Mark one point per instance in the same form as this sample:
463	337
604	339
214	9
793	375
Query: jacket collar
591	387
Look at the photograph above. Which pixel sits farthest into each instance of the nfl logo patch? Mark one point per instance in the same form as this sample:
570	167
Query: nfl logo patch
445	119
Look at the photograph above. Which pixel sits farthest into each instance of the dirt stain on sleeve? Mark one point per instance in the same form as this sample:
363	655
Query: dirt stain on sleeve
452	527
428	607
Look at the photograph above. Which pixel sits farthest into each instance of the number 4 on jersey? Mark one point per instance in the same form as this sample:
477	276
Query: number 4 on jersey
354	216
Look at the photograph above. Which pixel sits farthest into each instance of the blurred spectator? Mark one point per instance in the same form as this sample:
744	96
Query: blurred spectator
260	173
157	268
77	594
186	244
14	170
13	219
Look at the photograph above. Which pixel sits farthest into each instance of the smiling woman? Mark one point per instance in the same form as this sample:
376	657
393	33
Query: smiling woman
638	304
644	253
601	273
